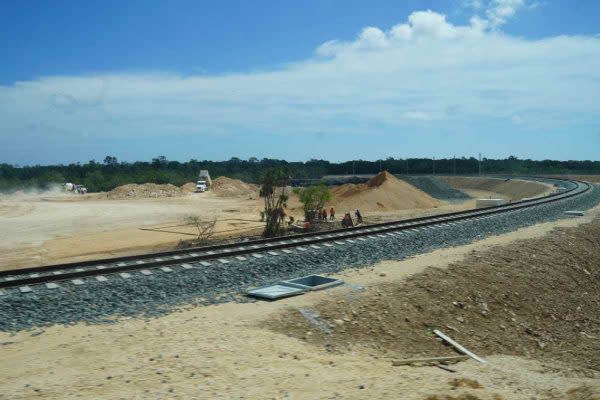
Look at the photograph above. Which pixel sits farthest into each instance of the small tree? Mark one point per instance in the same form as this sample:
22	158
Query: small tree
313	198
205	228
273	191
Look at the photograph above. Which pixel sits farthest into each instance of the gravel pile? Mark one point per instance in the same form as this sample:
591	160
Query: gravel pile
436	187
144	191
155	295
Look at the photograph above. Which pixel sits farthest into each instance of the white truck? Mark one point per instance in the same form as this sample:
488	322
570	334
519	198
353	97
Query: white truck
201	186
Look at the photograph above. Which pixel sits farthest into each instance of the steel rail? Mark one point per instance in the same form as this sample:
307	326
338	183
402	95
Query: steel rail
255	246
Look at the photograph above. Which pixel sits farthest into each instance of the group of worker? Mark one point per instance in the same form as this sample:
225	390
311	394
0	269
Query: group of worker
346	221
322	215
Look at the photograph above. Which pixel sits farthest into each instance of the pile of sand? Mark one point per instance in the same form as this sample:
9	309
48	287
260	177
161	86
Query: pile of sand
146	190
189	187
384	192
228	187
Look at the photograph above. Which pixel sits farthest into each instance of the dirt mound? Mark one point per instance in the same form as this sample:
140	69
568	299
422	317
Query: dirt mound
189	187
228	187
384	192
537	297
510	189
146	190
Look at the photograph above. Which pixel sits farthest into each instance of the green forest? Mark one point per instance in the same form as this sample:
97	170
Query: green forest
110	173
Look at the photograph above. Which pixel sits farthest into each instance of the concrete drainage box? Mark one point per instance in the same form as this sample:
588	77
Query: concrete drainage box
575	212
274	292
312	282
294	287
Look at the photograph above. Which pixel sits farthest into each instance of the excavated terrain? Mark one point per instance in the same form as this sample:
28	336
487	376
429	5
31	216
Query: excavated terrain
538	298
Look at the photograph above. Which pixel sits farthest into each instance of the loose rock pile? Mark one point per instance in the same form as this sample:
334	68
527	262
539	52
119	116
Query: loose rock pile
146	190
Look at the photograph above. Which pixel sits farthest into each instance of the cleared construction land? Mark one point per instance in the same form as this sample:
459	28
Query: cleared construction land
527	301
53	227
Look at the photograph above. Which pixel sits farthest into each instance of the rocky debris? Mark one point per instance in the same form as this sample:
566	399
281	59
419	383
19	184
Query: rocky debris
436	187
146	190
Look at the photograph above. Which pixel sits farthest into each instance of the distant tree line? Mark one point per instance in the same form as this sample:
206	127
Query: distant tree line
110	173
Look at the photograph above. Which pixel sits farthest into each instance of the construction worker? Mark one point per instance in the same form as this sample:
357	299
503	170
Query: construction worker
331	214
324	215
359	219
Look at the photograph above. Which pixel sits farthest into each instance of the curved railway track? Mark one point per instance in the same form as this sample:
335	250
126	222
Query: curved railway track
52	275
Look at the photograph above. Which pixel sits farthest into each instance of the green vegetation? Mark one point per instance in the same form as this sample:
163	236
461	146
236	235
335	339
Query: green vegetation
273	188
111	173
313	199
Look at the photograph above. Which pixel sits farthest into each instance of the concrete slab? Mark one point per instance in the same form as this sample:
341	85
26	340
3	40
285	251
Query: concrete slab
273	253
287	251
327	245
314	246
274	292
166	269
100	267
59	272
52	285
121	264
241	258
125	275
2	292
78	282
101	278
158	259
9	278
575	212
362	239
187	266
256	255
223	261
25	289
34	275
140	262
146	272
176	257
312	282
205	263
301	248
79	269
338	242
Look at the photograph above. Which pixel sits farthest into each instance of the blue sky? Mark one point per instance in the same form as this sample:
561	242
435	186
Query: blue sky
299	80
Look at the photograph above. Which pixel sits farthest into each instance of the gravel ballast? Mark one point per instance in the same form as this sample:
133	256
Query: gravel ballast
157	294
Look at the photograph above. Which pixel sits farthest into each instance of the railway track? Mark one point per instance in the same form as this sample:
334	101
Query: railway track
52	276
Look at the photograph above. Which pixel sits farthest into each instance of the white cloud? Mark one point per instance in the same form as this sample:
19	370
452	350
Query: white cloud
474	4
424	71
499	11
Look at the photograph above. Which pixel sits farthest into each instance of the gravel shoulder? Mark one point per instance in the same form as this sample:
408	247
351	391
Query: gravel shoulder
232	350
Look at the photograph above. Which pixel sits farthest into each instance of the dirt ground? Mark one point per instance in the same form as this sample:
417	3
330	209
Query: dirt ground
45	229
263	350
588	178
55	227
512	189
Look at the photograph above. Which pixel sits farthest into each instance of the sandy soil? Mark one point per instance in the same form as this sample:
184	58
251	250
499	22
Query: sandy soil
512	189
588	178
48	229
383	192
54	227
228	351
